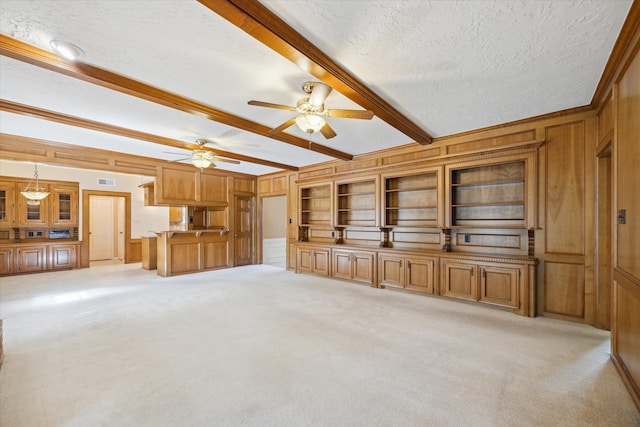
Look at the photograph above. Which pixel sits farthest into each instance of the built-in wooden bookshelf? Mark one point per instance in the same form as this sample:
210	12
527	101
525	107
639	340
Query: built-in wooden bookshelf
489	196
356	204
411	200
315	205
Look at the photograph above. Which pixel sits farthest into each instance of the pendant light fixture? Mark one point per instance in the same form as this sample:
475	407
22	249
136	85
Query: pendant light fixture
37	193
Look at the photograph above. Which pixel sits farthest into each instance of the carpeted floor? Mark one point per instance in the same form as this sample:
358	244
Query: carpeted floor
116	345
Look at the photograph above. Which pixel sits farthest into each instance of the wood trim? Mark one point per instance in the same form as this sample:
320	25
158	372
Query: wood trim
39	113
21	51
84	258
19	148
554	115
625	38
259	22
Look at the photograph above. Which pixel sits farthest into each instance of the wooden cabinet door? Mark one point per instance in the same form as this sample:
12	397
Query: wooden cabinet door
64	205
419	274
33	215
363	267
500	286
184	258
342	265
31	258
176	187
6	260
320	260
459	280
391	271
62	256
216	254
213	189
303	260
7	204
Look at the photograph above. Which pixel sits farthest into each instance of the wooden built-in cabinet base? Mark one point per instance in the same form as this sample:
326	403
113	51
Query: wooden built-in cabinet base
183	252
504	281
32	257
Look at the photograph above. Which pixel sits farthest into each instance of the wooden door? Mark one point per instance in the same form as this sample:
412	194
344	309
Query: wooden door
391	271
342	265
500	286
459	280
363	267
102	228
7	204
243	235
419	274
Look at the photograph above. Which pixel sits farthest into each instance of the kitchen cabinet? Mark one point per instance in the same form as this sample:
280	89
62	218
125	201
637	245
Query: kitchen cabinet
31	258
179	187
7	260
64	205
63	256
7	203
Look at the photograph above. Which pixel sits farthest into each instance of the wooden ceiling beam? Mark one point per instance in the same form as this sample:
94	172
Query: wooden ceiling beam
263	25
39	113
25	52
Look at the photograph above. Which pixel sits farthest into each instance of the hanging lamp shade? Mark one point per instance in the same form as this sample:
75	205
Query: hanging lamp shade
35	194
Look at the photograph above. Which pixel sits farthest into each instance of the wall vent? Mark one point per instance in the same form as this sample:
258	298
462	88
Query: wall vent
110	182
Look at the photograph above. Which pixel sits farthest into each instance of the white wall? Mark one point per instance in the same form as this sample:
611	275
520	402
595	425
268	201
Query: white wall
144	219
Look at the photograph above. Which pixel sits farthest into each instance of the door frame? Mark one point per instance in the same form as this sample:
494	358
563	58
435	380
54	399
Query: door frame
84	249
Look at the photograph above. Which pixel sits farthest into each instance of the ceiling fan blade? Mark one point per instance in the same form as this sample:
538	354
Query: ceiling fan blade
222	159
174	153
327	131
270	105
283	126
180	160
319	94
350	114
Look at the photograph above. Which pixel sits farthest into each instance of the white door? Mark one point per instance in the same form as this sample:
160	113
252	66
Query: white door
101	228
120	217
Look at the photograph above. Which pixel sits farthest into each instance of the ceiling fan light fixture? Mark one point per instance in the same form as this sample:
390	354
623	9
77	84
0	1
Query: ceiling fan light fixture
310	123
67	50
200	159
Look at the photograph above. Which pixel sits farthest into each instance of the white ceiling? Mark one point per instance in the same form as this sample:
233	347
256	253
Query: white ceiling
449	66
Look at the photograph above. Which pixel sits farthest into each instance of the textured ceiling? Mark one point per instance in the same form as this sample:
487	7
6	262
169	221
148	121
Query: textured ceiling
449	66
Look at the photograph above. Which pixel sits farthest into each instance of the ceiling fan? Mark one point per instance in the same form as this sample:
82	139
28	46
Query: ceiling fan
312	111
202	158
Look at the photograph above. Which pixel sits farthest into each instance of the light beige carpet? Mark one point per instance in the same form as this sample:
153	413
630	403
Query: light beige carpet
260	346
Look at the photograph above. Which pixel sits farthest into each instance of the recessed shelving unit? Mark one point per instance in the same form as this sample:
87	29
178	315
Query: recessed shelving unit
490	196
411	200
356	204
315	205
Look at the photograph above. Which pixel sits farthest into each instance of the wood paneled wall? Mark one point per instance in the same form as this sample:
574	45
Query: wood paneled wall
626	235
565	233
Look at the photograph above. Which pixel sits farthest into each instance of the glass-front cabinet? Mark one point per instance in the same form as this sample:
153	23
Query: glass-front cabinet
7	204
31	213
64	205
